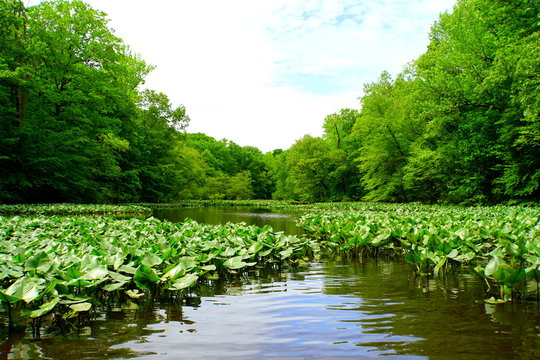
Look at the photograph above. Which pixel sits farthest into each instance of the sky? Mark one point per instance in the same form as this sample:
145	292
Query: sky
265	73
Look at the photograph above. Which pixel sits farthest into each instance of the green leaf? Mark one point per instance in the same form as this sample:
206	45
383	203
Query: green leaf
237	263
265	252
9	272
184	282
119	277
127	269
151	260
412	257
116	260
515	276
494	301
175	272
114	286
285	253
9	298
256	247
492	267
453	254
80	307
80	283
97	273
144	277
44	309
439	265
134	294
39	263
26	289
208	268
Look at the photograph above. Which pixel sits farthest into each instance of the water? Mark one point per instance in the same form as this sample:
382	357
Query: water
339	309
332	310
280	220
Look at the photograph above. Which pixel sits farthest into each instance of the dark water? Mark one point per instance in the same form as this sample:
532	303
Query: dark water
280	220
339	309
331	310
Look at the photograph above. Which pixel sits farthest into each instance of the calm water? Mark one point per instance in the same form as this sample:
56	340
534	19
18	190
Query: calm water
338	309
280	220
331	310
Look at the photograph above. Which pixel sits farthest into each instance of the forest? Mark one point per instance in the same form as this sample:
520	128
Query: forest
459	125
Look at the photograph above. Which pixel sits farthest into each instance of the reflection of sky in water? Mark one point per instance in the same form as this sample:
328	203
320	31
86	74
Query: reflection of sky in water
368	310
293	319
344	310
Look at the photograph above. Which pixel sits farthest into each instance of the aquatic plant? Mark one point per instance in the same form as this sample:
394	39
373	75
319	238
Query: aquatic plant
68	266
73	209
499	244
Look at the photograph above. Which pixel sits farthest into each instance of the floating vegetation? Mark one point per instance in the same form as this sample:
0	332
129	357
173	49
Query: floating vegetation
499	244
66	267
268	204
73	209
62	268
280	204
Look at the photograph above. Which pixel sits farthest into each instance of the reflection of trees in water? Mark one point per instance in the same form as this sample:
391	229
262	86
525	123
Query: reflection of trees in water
278	220
443	313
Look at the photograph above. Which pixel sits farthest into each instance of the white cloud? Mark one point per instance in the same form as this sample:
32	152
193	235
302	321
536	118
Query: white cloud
264	73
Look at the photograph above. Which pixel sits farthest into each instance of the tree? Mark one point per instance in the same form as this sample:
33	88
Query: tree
386	132
228	161
313	169
469	105
339	133
71	88
160	159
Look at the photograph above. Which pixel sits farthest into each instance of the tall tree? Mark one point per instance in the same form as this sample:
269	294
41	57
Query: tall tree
386	132
339	133
314	169
157	154
73	93
472	117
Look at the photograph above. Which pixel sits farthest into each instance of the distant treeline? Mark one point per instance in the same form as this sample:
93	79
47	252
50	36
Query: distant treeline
461	124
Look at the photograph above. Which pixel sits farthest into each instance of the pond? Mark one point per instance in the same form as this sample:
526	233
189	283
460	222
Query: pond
337	309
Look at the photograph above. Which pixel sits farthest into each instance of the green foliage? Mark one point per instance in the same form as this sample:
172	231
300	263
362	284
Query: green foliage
70	265
76	129
385	131
72	209
314	170
499	244
459	124
231	171
69	104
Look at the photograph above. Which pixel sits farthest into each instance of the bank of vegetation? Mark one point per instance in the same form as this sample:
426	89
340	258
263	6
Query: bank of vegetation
459	125
74	209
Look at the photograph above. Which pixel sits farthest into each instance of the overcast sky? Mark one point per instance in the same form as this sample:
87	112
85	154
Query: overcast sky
264	73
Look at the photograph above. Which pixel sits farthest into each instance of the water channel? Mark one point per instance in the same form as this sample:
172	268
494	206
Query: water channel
337	309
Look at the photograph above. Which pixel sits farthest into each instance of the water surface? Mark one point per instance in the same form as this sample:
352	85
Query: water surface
279	220
339	309
331	310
